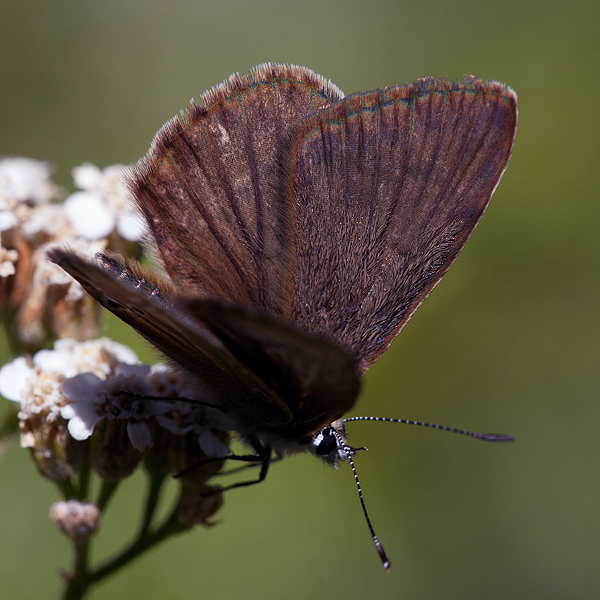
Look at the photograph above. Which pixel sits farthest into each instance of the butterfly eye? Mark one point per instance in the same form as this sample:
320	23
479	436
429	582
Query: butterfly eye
325	442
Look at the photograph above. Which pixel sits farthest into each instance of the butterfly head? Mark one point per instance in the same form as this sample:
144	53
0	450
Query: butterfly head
330	444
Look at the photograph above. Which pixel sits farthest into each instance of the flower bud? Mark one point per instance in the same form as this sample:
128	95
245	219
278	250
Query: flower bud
56	454
78	520
188	459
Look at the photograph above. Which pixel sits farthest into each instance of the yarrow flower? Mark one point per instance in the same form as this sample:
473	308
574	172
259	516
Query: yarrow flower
102	206
8	258
37	385
24	180
26	193
89	406
39	300
81	384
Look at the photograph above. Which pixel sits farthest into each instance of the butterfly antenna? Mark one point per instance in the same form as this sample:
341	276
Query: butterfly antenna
486	437
385	561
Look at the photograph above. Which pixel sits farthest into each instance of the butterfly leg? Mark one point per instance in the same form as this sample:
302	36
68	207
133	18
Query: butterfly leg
262	456
251	465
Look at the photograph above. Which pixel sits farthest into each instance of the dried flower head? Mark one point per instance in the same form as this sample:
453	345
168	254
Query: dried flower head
200	503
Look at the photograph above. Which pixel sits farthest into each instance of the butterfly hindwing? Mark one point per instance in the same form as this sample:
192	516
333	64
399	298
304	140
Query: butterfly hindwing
315	378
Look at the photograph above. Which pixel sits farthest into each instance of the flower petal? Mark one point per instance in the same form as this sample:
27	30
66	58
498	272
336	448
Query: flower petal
13	377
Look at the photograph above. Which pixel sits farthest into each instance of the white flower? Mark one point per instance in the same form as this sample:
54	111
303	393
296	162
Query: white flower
104	204
82	411
182	416
87	176
86	382
49	219
69	380
71	357
90	215
8	258
48	273
25	180
13	378
37	391
8	220
139	435
110	183
131	226
120	396
211	445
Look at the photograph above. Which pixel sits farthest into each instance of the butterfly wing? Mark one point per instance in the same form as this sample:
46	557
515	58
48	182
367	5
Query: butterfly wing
388	186
140	302
208	187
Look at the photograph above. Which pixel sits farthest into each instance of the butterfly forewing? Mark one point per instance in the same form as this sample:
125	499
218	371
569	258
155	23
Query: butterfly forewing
208	187
387	186
157	317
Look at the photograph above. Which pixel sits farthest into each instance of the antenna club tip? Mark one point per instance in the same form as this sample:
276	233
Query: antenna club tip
385	561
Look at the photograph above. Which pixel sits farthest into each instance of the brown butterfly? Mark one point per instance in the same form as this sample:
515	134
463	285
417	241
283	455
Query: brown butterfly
300	230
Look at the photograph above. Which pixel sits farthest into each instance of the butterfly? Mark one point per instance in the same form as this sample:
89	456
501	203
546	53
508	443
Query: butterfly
300	229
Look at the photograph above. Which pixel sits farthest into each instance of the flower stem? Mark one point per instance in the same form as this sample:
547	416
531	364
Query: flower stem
84	477
106	493
170	527
151	504
78	581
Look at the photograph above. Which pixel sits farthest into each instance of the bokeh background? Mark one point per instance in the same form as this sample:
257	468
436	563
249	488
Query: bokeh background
509	341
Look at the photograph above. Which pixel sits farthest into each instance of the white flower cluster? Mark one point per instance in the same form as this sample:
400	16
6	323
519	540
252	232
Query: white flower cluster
40	299
86	382
102	206
83	221
24	180
93	213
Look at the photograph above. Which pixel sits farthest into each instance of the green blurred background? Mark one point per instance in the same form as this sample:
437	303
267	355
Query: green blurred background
510	341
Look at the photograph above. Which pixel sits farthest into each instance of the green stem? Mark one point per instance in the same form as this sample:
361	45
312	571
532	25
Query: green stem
67	489
106	493
79	581
84	478
14	343
151	504
9	427
171	526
